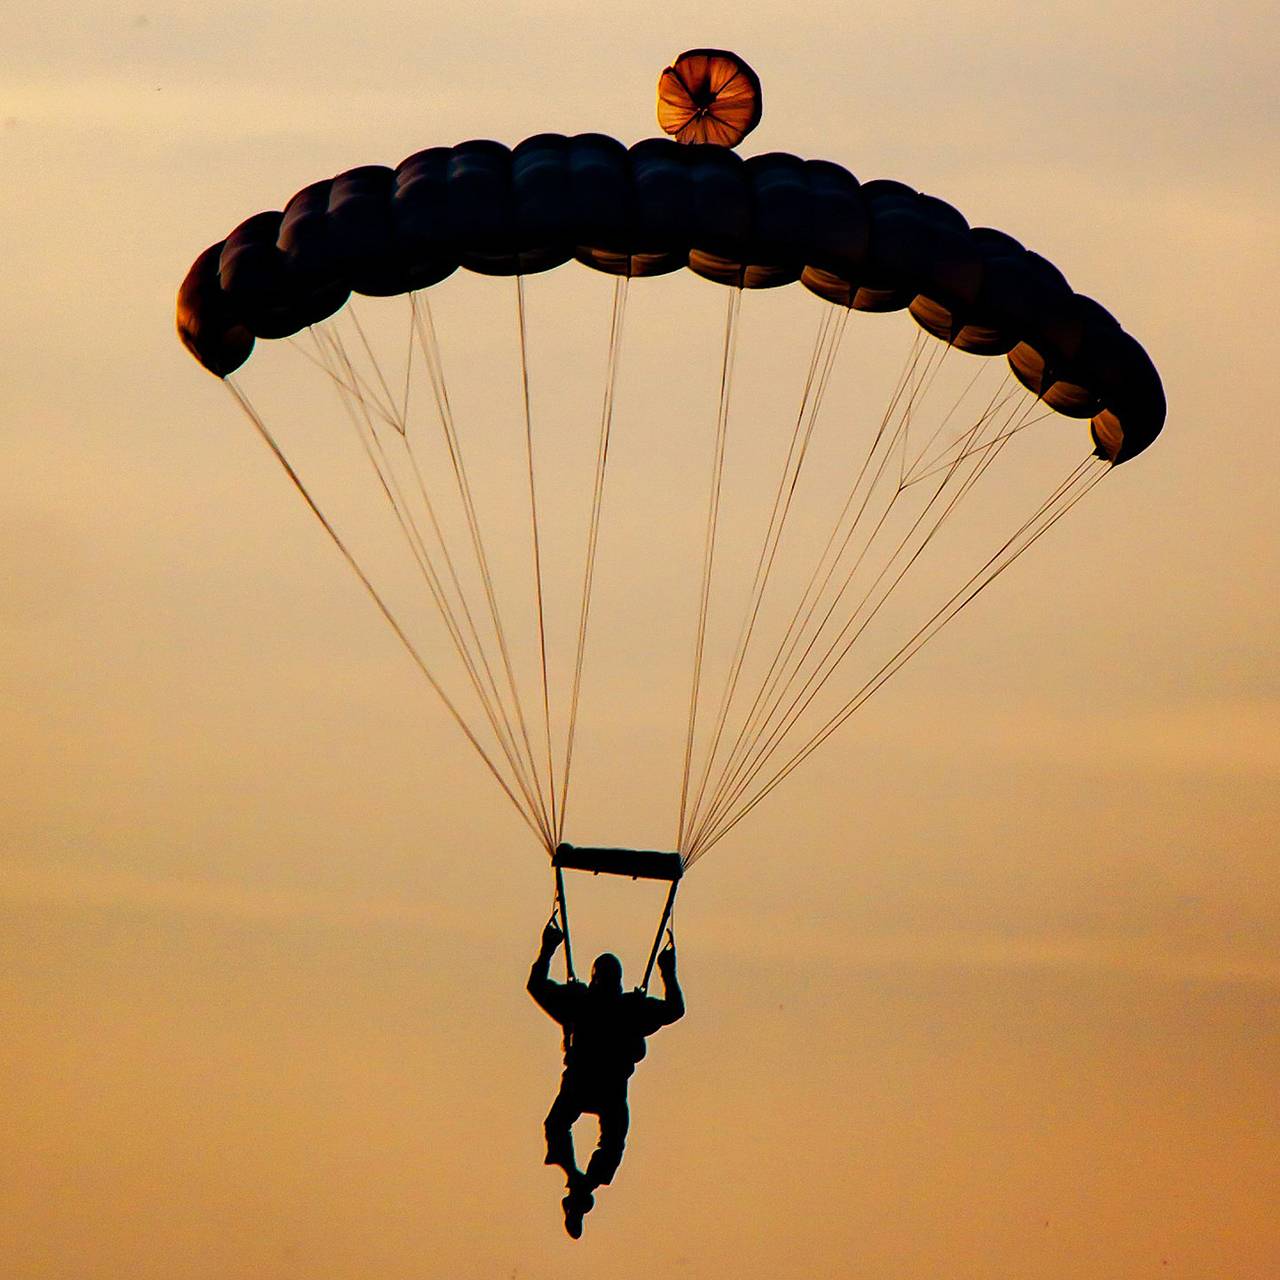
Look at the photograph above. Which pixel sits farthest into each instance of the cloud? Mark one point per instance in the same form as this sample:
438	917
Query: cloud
778	942
34	884
1212	736
193	112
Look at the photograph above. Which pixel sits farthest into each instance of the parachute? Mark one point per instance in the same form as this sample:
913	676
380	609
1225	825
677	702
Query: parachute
708	95
767	662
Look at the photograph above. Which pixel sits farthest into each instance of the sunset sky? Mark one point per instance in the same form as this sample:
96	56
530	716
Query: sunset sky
990	989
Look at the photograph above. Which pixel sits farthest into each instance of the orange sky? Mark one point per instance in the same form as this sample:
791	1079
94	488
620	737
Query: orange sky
988	990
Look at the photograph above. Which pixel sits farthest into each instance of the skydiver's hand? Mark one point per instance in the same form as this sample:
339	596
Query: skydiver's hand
667	960
552	937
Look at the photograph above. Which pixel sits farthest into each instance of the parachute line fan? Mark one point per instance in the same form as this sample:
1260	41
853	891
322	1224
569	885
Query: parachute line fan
812	521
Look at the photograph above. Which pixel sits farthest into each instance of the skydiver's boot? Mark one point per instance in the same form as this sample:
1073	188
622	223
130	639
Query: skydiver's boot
577	1204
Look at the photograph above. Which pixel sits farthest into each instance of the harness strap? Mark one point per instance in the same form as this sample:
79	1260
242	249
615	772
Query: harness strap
560	912
667	924
563	909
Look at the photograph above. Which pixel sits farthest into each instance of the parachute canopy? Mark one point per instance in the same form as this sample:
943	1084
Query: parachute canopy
709	95
659	207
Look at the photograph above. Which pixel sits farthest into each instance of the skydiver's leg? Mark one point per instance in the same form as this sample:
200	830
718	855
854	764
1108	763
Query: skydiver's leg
615	1119
565	1110
558	1126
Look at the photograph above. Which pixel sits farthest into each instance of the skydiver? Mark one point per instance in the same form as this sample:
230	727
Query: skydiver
604	1034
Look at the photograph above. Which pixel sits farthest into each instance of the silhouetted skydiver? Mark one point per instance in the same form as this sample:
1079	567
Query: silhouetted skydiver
604	1033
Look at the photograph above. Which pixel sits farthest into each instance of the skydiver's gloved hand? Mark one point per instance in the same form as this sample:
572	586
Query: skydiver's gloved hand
552	937
667	960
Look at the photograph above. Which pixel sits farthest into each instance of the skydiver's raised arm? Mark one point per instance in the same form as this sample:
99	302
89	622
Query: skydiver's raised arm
671	1007
541	986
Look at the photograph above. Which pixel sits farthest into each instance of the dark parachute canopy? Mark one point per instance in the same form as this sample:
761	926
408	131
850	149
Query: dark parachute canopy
657	207
654	208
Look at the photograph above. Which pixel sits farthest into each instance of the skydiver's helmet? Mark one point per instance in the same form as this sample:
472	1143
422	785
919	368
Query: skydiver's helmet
606	974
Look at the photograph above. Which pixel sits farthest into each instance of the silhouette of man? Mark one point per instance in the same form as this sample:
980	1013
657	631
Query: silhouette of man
604	1033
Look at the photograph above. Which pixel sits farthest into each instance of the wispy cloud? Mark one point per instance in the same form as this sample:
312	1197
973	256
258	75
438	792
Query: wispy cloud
33	884
138	105
1214	735
774	941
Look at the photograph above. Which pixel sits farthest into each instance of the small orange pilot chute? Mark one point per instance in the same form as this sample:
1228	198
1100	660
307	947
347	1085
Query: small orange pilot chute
709	95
